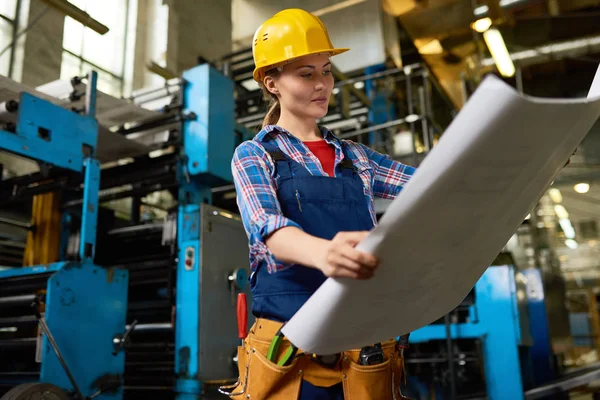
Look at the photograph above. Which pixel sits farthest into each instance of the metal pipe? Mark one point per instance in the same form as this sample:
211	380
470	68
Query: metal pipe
519	80
11	321
563	385
224	188
13	222
17	300
78	15
376	127
156	123
136	228
156	327
552	51
168	84
18	342
424	126
412	67
428	109
450	356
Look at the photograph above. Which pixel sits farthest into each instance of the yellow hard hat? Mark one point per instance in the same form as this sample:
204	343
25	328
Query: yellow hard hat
288	35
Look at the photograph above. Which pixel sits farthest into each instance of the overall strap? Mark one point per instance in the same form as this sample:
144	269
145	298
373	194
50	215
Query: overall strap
346	165
281	160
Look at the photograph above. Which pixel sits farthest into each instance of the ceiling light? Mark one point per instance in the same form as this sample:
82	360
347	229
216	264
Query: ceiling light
411	118
429	47
482	10
555	195
495	43
481	25
582	187
561	212
571	244
567	228
528	216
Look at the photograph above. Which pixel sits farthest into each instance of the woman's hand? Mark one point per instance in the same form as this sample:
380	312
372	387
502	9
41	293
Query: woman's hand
339	258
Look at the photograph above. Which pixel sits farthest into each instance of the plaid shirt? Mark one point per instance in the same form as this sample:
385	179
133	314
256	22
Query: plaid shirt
256	187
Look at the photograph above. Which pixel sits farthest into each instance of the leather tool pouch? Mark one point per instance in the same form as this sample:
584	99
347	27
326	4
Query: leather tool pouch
373	382
262	379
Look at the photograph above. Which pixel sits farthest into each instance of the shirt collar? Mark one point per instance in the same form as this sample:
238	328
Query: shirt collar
274	130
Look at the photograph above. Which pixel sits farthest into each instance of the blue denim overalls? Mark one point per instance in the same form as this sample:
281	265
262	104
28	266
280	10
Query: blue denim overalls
322	206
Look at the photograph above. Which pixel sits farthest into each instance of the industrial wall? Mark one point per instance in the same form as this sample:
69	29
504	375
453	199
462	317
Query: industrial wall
195	28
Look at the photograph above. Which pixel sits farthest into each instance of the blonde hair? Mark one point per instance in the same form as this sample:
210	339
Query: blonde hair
274	111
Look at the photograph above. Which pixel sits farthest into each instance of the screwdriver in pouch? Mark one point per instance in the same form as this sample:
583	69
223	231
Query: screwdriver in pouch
242	317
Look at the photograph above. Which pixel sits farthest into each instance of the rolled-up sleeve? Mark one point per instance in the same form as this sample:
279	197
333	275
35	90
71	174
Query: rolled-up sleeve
257	201
389	175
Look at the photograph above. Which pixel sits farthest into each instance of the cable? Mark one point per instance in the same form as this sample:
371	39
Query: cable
28	27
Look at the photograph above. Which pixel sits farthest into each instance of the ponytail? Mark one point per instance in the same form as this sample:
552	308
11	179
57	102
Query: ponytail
273	114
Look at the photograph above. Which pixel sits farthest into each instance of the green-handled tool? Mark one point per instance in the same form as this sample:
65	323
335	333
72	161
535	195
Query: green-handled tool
274	350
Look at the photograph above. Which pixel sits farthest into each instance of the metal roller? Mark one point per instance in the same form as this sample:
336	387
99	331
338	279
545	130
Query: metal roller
17	300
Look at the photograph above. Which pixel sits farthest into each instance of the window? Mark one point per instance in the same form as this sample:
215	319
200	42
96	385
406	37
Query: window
84	49
8	26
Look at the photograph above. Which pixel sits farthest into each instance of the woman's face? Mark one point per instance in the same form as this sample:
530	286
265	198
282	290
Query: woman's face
304	86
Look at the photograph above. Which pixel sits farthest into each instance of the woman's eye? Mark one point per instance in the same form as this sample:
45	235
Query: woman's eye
308	75
326	72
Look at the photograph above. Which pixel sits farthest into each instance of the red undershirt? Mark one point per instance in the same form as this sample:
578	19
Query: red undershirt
325	153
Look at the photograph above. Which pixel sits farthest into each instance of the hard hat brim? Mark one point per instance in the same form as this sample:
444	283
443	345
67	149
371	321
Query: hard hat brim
258	71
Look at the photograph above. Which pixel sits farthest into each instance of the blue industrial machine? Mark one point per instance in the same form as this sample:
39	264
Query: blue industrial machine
149	308
80	306
505	315
212	256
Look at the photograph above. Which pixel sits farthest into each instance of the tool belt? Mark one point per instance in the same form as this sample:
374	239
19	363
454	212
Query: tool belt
262	379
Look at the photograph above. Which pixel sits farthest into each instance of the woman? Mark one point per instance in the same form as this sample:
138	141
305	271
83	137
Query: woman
306	200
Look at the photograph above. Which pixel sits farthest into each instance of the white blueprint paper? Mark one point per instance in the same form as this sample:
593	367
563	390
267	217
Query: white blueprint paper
451	220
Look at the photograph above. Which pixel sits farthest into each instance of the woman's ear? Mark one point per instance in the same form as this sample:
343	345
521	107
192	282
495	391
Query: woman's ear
271	85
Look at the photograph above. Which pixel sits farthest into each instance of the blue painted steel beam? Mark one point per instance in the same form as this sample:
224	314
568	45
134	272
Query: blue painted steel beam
35	270
43	128
497	325
208	144
187	323
209	138
89	212
541	350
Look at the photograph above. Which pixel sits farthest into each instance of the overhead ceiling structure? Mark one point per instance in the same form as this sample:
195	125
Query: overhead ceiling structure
562	33
554	46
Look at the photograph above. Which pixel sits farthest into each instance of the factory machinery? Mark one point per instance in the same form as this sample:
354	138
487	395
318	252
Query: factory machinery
129	308
145	306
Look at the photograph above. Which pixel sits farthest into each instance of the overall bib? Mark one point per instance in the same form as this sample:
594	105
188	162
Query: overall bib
323	206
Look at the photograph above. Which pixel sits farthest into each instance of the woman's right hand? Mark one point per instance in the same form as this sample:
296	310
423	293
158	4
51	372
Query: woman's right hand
339	258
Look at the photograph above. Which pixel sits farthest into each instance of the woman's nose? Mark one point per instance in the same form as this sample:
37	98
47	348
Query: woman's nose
319	85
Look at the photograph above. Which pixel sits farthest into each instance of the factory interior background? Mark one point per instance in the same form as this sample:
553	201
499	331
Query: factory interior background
110	78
